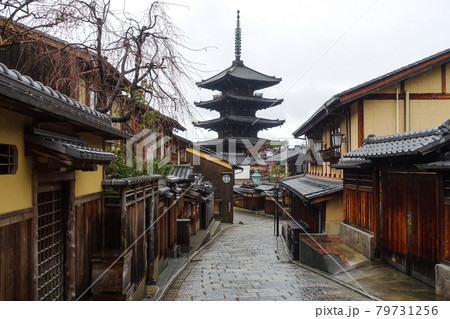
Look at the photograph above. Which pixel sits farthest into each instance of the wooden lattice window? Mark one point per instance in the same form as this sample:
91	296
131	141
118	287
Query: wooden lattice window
51	244
8	159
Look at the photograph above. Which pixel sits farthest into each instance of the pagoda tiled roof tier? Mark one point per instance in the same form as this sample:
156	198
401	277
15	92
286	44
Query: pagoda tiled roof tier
260	123
255	101
238	76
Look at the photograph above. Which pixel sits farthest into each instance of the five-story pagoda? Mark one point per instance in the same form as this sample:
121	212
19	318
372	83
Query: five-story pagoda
237	104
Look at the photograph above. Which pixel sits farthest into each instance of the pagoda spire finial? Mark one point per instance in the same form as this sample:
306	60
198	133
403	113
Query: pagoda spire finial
237	44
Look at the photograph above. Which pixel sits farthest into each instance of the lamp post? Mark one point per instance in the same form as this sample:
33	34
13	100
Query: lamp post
256	178
277	187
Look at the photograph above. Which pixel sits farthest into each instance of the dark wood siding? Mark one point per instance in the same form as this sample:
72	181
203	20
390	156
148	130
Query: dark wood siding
213	173
410	209
253	202
128	223
446	244
136	239
88	239
313	215
359	200
15	256
446	218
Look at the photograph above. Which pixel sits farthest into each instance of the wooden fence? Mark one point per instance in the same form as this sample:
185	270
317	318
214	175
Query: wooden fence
130	210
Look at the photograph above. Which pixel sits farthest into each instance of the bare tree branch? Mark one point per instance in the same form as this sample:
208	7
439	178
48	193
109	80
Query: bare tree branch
132	65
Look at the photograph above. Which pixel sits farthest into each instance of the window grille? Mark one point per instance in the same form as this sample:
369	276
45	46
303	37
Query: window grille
8	159
50	245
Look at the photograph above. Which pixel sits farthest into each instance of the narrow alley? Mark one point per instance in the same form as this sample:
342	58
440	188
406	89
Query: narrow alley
247	262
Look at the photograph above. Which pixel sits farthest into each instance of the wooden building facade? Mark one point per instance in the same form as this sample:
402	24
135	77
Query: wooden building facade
411	98
396	189
51	170
221	175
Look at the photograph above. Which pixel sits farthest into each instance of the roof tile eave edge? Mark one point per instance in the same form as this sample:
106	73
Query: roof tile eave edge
399	74
445	57
316	116
45	101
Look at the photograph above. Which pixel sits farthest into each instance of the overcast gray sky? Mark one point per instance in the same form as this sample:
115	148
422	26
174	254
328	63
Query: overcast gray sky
318	48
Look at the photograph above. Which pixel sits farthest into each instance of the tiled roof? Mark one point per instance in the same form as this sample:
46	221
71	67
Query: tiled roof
131	180
417	142
24	89
351	162
238	159
250	120
257	101
439	165
239	71
408	143
71	146
309	188
181	173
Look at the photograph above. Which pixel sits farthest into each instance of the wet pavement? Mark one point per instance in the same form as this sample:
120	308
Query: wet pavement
247	262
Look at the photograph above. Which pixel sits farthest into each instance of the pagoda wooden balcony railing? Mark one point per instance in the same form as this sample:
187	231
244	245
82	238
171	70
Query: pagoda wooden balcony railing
331	155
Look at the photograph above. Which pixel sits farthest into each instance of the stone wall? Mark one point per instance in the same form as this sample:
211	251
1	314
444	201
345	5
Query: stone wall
359	240
443	280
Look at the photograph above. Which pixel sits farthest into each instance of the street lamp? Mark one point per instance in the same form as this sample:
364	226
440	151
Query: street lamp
256	178
336	139
277	219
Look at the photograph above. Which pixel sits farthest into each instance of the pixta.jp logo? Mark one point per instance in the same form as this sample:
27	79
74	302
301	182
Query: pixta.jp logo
147	145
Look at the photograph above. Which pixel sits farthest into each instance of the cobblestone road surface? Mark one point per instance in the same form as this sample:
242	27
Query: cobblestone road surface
247	262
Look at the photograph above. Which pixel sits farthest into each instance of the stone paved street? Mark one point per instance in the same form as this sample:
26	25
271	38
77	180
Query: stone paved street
247	262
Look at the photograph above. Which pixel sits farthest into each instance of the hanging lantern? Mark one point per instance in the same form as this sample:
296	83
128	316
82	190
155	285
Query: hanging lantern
256	178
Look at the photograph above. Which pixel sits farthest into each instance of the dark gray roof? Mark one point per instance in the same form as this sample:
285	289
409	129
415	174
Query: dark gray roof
417	142
165	191
439	165
42	98
238	159
244	190
144	179
181	173
256	101
239	71
251	120
182	139
71	146
351	163
219	141
408	143
309	188
287	154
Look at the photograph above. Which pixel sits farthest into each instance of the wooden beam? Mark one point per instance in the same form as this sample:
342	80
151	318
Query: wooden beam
412	96
393	78
444	78
360	122
34	232
16	216
87	198
325	198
